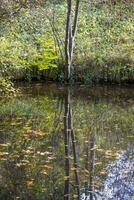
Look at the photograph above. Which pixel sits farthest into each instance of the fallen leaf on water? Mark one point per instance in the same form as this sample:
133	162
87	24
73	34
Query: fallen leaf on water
103	172
48	167
66	195
5	145
3	154
45	173
100	150
94	148
74	168
66	178
86	171
3	159
98	163
75	196
30	183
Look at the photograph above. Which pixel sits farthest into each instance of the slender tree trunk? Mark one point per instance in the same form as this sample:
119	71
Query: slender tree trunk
71	28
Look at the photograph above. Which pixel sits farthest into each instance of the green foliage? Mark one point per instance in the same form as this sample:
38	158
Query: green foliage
6	87
22	49
108	40
47	56
104	43
87	78
60	77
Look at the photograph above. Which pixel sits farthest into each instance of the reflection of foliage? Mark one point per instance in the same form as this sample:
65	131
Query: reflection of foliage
31	154
32	143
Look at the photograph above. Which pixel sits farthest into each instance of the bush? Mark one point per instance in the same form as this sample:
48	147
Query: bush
6	87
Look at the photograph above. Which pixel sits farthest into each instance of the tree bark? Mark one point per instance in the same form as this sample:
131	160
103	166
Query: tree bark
71	28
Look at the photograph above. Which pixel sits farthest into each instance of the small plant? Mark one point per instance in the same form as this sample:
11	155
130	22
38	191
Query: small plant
60	77
87	78
73	77
6	87
46	57
28	76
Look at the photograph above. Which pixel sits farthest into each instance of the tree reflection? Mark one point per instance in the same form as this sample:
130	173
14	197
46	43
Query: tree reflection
67	132
68	138
89	166
71	147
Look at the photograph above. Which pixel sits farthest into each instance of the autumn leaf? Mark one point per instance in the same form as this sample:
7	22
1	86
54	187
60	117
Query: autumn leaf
66	178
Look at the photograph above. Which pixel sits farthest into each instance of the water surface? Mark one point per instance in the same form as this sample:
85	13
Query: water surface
67	143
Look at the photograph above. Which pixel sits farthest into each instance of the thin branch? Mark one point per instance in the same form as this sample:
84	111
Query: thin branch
76	18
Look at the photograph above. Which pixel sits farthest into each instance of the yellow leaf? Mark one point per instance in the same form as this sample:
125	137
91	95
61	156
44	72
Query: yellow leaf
45	173
75	196
98	163
74	168
94	148
100	150
103	172
30	183
86	171
3	153
5	145
48	167
66	195
66	178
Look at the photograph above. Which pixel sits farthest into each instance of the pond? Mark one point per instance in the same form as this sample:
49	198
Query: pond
67	143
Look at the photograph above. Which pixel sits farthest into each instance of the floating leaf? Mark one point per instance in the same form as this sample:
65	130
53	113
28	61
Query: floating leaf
66	178
5	145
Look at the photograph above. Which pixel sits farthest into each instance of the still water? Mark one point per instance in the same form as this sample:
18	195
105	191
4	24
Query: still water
67	143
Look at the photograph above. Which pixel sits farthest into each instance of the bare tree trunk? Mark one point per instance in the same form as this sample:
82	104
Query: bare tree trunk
71	28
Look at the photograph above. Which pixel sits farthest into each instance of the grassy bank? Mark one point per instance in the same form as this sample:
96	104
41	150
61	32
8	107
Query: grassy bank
32	44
